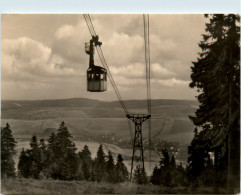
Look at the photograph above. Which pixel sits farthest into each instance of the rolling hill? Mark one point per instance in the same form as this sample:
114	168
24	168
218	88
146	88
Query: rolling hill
94	122
88	118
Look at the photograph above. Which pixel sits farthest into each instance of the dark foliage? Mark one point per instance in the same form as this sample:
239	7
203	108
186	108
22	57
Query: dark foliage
85	162
58	160
121	172
64	163
24	164
156	176
139	175
216	74
168	173
8	145
31	161
100	165
110	168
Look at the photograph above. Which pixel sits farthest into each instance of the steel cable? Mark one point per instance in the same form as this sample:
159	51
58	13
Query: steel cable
148	75
104	63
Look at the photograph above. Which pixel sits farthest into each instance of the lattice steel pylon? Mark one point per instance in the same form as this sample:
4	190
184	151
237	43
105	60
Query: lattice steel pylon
138	119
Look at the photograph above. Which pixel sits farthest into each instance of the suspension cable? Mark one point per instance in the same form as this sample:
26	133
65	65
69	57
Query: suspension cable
104	63
148	75
89	24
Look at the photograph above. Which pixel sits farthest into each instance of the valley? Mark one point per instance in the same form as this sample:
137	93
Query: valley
93	122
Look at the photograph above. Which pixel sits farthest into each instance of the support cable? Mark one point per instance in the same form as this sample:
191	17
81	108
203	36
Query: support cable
148	76
104	63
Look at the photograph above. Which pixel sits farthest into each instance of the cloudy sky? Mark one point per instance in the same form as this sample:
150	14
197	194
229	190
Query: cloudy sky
43	57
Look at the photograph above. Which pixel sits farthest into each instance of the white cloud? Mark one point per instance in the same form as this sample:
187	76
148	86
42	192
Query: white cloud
159	71
132	71
171	82
57	55
27	58
65	31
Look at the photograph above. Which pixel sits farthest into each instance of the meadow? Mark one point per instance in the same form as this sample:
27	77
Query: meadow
30	186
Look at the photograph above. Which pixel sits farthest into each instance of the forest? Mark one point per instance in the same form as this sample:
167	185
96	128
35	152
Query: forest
213	154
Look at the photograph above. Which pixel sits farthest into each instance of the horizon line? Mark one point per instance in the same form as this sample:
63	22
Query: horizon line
94	99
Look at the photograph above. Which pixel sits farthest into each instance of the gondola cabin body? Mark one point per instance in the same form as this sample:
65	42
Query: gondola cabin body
96	79
96	75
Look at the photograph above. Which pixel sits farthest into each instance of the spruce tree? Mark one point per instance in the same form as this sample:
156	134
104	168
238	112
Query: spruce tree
44	156
139	175
100	165
110	168
85	154
8	145
25	163
35	153
51	159
52	143
165	159
165	165
65	157
216	74
173	162
85	163
34	142
198	153
62	160
156	176
121	172
181	176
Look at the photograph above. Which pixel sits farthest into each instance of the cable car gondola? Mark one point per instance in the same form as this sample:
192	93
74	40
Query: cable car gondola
96	75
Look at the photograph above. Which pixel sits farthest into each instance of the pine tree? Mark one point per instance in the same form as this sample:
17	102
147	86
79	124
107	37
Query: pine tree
85	163
139	175
121	172
51	160
156	176
34	142
165	165
24	164
52	143
35	155
173	162
65	157
181	175
44	156
30	161
174	172
216	74
8	145
100	165
110	168
61	152
198	156
165	159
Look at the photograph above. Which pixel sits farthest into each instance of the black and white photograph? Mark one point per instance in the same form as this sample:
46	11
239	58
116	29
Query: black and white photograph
120	103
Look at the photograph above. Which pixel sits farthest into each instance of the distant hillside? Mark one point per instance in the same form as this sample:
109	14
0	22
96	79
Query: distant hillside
92	119
82	107
84	102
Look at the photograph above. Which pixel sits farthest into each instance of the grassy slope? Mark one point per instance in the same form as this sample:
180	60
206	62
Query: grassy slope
30	186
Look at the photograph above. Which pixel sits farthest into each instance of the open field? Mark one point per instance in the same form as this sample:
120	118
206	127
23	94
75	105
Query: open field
30	186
